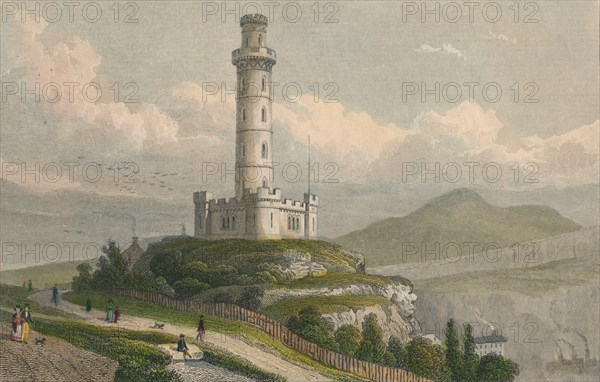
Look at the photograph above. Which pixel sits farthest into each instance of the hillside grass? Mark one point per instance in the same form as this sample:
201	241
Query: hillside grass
283	309
11	295
53	273
239	330
246	254
541	280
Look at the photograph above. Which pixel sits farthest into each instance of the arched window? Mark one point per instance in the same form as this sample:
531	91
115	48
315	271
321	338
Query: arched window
254	220
233	222
298	224
259	40
243	150
263	84
263	115
264	182
241	89
313	225
243	115
271	220
224	223
265	150
289	223
228	222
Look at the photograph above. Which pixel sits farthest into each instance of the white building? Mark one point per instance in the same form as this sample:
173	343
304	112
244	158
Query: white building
490	344
258	209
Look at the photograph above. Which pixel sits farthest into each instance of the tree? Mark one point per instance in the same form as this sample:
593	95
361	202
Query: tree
495	368
470	358
196	270
189	287
348	339
83	281
372	348
398	350
111	268
250	298
425	359
309	325
453	353
167	264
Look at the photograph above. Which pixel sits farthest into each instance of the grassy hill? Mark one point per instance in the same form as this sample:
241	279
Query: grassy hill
247	255
460	216
535	281
53	273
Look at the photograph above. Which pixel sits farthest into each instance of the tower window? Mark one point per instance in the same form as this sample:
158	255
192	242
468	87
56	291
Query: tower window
271	220
313	225
265	150
263	84
246	42
241	89
259	40
264	182
243	150
243	115
254	220
289	223
264	114
233	222
224	223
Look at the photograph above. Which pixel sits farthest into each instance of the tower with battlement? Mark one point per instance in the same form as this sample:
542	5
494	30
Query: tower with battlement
258	210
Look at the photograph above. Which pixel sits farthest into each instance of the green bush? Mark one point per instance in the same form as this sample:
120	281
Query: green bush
188	287
309	325
348	339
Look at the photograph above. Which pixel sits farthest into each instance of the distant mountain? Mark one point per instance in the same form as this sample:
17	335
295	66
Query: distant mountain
461	216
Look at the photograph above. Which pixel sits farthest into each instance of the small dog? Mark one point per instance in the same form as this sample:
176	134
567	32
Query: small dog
40	341
158	326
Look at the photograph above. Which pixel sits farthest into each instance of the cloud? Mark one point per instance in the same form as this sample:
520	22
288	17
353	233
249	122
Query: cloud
111	125
446	48
499	36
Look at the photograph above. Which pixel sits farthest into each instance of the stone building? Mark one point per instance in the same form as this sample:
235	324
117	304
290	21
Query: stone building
133	253
490	344
258	210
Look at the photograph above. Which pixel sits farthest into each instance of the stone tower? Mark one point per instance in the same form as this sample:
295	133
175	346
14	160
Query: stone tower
253	145
258	210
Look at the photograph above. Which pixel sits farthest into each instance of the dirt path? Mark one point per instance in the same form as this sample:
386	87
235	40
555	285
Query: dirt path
253	354
56	360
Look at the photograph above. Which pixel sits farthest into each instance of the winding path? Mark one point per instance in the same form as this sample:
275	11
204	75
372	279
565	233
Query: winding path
254	354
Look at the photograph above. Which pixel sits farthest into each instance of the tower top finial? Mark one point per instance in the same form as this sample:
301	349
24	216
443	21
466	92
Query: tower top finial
254	19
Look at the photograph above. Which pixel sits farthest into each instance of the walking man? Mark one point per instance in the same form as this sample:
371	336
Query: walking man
54	295
201	329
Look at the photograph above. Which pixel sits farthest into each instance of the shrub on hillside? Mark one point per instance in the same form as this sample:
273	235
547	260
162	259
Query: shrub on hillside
348	339
309	325
250	298
188	287
372	348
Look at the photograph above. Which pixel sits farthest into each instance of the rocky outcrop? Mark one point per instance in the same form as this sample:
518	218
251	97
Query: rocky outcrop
395	318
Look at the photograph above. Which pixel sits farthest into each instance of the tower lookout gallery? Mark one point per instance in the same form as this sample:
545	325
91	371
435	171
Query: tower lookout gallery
258	210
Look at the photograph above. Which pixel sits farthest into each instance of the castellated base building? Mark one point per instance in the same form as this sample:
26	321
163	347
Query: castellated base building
258	211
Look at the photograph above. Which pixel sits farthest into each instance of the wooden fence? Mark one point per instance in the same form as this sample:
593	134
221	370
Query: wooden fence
280	332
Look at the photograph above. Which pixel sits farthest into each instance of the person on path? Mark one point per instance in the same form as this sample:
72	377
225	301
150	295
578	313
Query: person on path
88	304
109	312
201	329
17	327
26	319
117	314
54	295
182	347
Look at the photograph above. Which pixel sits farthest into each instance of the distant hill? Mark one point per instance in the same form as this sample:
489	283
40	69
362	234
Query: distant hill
460	216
